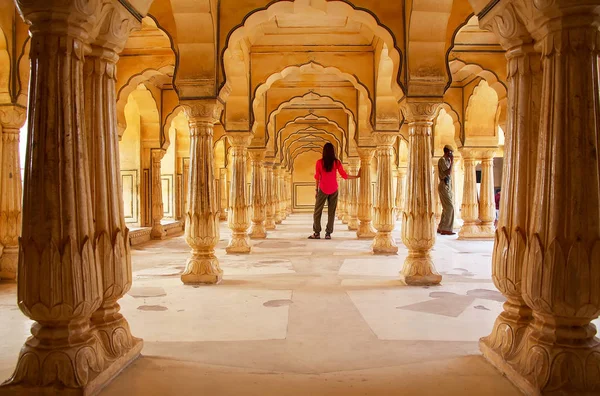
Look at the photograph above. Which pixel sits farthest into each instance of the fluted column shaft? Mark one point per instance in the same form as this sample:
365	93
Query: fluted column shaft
400	191
518	180
487	202
277	189
223	193
202	215
259	202
111	234
288	192
384	242
60	274
470	205
437	203
12	119
352	194
365	198
239	210
418	219
343	208
158	231
270	197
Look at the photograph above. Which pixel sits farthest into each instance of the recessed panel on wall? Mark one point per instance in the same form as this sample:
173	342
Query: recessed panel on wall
129	181
304	197
167	195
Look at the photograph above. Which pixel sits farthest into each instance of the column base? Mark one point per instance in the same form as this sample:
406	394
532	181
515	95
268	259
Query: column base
8	263
84	369
353	224
270	225
239	244
223	216
419	270
473	232
384	243
365	230
202	270
158	232
258	231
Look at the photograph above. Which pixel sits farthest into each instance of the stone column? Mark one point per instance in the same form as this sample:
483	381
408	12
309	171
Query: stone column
223	193
418	219
277	191
470	206
239	210
458	178
400	191
60	274
283	186
560	281
518	180
487	202
158	231
352	194
111	234
435	180
12	118
384	242
343	206
365	198
289	191
259	202
202	216
270	197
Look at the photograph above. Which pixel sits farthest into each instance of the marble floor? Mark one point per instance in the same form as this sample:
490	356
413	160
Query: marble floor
301	317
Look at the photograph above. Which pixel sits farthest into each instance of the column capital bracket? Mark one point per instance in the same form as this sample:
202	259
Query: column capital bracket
384	138
207	110
421	109
12	116
239	139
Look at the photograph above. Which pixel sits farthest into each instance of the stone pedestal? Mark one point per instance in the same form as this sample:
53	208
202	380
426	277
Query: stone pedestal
418	219
12	118
73	258
202	216
365	198
384	242
158	231
352	195
239	211
270	197
223	193
259	201
552	264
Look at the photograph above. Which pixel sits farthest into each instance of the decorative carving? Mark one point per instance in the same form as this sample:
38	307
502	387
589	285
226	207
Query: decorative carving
202	216
343	208
277	189
365	199
470	205
352	195
12	119
418	220
158	231
270	194
487	202
239	213
258	198
384	242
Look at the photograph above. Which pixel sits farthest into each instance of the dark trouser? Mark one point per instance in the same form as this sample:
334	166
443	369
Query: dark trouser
331	200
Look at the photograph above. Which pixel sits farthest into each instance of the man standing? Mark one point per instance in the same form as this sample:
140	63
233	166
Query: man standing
445	189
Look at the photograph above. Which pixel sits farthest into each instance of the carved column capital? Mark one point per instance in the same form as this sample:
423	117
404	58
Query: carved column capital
116	24
503	20
12	117
353	163
402	171
157	155
239	139
385	139
202	111
366	153
420	109
256	155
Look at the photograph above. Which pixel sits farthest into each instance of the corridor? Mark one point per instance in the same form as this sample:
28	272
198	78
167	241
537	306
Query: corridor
301	317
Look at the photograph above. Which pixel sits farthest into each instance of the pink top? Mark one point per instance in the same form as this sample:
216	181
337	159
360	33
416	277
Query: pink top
327	180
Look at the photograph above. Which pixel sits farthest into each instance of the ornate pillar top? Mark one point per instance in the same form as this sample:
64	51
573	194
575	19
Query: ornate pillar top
366	152
417	110
12	116
202	110
239	139
353	162
257	155
384	138
157	154
478	152
114	29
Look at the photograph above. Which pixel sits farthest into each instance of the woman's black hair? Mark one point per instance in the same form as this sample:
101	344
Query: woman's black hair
329	157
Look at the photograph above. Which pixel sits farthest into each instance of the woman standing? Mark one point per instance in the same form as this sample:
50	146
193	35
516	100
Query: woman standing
327	189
